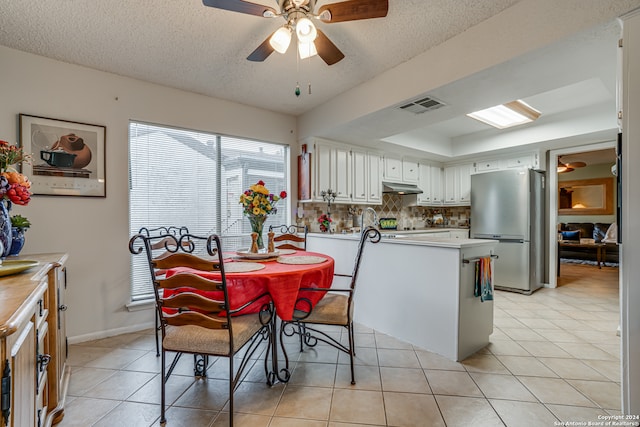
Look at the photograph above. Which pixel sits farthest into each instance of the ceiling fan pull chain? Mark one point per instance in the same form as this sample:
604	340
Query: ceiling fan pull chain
297	92
309	88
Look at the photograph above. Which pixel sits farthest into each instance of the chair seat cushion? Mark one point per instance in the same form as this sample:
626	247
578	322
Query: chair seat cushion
331	310
196	339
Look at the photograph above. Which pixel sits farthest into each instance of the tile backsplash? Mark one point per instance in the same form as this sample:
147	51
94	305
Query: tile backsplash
346	216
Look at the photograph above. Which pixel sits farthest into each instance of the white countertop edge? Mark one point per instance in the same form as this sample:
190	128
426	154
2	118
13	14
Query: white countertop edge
417	241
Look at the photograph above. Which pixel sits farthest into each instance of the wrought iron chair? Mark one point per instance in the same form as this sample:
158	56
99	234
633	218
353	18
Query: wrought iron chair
290	233
191	323
334	309
158	250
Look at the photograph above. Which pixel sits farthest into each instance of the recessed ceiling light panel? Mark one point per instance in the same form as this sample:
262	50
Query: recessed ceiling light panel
506	115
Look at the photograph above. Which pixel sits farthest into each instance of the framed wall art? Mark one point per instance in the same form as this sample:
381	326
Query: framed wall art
68	157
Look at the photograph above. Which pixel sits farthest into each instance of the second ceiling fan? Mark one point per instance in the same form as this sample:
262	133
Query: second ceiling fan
299	16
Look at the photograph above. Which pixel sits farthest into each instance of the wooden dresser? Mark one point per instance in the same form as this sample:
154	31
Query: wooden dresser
33	343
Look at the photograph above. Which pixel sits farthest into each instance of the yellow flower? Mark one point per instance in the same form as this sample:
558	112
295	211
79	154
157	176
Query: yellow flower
256	211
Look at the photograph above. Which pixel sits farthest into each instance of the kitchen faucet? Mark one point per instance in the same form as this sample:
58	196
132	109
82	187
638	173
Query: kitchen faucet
375	217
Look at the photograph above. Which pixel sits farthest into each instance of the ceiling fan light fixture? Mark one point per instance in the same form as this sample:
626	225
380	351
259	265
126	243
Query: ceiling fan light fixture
306	50
281	39
305	30
563	168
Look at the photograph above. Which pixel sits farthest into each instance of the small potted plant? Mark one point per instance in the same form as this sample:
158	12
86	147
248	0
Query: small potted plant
19	225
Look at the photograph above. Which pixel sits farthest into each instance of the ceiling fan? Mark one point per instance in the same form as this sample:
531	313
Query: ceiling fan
564	167
298	15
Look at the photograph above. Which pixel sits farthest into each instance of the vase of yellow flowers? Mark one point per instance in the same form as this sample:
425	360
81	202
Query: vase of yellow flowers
14	189
257	202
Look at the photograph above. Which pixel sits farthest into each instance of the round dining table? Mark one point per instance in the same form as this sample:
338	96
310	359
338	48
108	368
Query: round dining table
280	276
283	279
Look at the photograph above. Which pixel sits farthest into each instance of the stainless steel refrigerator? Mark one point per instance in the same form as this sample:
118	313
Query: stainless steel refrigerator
508	206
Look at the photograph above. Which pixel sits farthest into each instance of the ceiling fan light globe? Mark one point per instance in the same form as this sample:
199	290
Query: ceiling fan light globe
306	50
281	39
305	30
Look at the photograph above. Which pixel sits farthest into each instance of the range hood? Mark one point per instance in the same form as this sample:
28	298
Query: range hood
402	189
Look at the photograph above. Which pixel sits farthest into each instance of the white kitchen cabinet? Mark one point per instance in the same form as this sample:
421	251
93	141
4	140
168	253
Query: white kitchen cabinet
436	185
360	166
400	170
451	185
321	170
341	173
424	183
488	165
526	161
332	171
460	234
374	194
430	182
464	183
457	184
366	185
392	169
410	171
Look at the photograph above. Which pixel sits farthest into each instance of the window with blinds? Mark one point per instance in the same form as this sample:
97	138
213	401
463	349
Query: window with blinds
192	179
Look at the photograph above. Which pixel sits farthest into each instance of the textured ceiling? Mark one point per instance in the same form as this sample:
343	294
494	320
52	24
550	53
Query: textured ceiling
183	44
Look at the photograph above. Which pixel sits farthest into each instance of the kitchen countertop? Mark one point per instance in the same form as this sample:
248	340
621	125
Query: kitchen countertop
413	237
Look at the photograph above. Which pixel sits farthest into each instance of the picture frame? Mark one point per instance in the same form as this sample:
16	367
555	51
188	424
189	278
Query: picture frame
68	157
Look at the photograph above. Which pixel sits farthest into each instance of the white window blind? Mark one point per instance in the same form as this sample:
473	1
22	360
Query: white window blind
191	179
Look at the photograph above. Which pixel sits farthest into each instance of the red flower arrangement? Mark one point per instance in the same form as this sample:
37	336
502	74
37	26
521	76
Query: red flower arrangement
325	222
14	186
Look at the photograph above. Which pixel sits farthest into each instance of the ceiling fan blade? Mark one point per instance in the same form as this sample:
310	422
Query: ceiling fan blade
327	50
352	10
240	6
576	164
262	52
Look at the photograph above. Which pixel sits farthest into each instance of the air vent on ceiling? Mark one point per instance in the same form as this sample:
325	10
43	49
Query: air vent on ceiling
422	105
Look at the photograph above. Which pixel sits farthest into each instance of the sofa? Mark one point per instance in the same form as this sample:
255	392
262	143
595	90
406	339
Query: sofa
586	230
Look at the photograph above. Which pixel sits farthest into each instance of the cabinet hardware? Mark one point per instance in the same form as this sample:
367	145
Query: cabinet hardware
40	308
63	307
5	404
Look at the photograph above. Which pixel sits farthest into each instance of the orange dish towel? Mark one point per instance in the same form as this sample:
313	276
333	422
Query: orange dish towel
484	280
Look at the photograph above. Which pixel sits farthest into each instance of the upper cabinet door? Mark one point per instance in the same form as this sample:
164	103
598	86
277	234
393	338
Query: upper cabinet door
392	169
436	185
342	174
374	194
360	176
451	185
322	172
464	183
409	171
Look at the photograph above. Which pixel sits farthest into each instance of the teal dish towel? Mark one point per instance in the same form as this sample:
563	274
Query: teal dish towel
484	280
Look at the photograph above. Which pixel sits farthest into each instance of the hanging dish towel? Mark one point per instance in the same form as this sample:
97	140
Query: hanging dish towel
484	280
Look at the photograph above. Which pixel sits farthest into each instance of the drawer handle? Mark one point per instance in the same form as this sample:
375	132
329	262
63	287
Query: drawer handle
43	361
62	307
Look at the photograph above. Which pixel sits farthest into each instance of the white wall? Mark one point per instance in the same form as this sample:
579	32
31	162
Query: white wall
94	231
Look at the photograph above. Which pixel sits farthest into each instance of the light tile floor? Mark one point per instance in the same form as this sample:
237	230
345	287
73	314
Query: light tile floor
553	356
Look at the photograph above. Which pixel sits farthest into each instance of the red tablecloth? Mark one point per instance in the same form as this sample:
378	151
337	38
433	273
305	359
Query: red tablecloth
281	281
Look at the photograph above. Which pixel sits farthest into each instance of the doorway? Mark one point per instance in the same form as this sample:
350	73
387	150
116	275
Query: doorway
596	162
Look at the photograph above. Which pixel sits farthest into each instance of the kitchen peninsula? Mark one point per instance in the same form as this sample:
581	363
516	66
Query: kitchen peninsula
418	288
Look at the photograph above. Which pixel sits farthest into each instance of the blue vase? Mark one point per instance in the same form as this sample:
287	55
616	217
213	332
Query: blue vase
17	240
5	228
